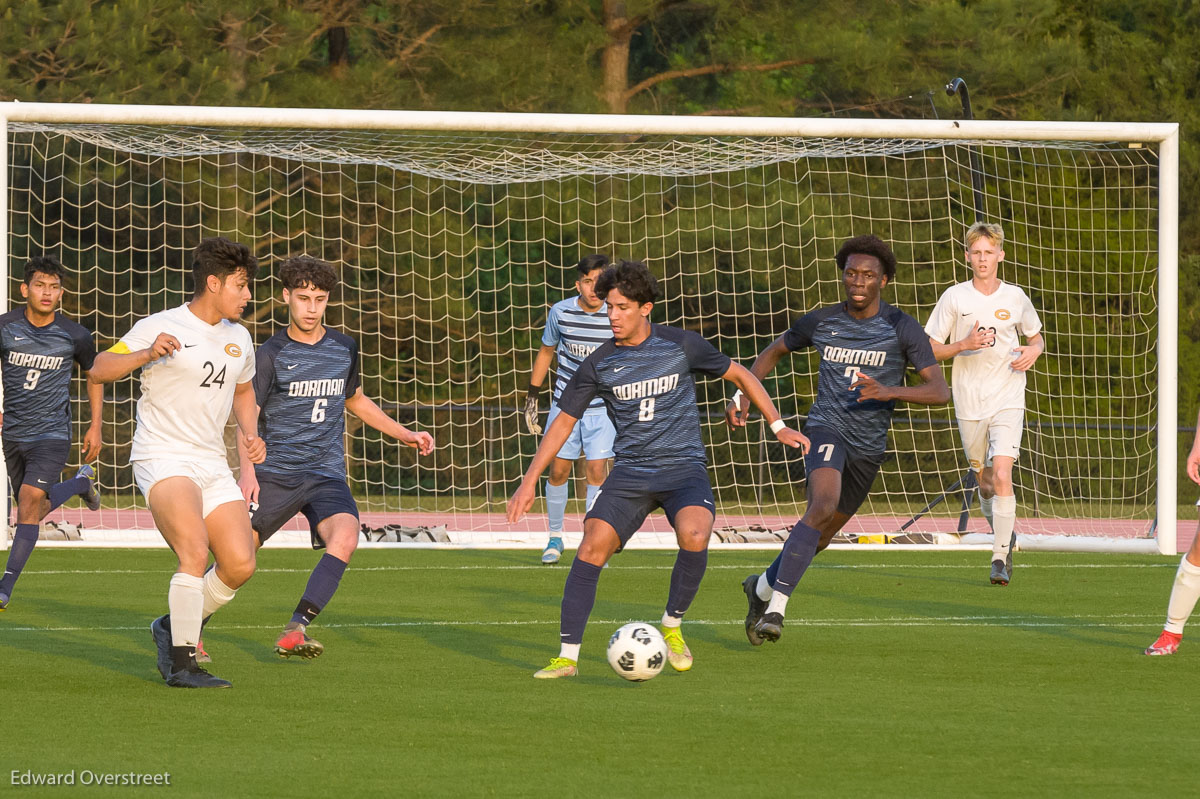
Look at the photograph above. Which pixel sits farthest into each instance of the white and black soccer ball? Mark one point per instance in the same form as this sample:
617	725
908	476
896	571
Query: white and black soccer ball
637	651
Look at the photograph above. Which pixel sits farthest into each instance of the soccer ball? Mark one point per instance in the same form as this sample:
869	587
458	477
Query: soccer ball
637	651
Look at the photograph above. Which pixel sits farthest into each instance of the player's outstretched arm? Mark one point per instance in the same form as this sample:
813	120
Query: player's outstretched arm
521	501
93	437
541	368
372	415
739	408
932	390
245	412
247	476
118	361
1028	354
750	387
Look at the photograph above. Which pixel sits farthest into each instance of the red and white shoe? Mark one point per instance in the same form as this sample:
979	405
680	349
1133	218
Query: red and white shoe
201	655
1167	644
295	642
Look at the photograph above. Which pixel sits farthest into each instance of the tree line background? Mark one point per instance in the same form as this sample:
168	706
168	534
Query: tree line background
1024	60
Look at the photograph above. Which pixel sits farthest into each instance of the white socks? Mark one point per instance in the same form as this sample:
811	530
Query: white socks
763	589
778	603
216	593
1184	594
569	651
671	621
1004	520
185	603
985	505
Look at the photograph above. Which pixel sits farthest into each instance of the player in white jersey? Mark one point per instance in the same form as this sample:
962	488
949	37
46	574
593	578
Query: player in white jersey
197	363
984	320
575	327
1185	591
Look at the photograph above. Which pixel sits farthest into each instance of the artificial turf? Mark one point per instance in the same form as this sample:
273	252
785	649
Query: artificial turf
899	673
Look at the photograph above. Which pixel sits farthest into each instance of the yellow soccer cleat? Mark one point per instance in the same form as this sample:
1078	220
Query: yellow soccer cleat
678	654
559	667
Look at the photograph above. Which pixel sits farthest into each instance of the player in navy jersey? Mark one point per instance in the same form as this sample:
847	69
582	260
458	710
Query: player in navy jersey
306	380
38	346
575	327
644	375
864	346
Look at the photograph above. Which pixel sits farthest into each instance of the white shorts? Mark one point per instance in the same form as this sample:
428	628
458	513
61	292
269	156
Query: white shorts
984	439
213	478
593	435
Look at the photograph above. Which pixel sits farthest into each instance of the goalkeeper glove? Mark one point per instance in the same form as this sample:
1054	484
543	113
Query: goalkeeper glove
531	409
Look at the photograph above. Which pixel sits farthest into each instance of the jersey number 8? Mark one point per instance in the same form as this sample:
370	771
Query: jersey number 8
646	410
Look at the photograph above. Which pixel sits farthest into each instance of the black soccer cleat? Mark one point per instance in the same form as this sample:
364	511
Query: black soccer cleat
195	677
757	608
999	573
770	626
162	642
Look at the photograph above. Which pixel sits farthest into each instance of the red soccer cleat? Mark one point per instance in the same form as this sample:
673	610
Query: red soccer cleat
1167	644
201	655
295	642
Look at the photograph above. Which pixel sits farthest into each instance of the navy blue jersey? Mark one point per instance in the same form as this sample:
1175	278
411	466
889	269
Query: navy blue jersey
881	347
36	370
302	391
650	395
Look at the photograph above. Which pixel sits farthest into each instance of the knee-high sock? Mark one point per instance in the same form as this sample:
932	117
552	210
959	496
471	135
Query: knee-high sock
24	540
685	582
216	593
61	492
985	505
185	602
322	584
592	491
797	554
1184	594
1005	519
579	594
556	505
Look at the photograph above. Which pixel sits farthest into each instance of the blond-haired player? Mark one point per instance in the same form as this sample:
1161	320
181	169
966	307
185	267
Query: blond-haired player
984	320
197	363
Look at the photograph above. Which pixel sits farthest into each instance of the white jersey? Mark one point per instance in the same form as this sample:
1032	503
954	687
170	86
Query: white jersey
187	396
983	381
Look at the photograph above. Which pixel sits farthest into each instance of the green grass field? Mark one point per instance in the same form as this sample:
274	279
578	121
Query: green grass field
898	674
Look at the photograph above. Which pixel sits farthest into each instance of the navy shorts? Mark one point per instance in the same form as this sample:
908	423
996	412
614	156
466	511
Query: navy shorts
830	451
628	496
36	463
280	497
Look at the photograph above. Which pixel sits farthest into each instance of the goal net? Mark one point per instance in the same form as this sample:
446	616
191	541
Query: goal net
453	244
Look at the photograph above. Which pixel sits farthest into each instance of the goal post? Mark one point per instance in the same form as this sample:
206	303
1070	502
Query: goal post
454	232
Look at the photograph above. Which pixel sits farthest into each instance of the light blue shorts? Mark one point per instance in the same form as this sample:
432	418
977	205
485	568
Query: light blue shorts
593	435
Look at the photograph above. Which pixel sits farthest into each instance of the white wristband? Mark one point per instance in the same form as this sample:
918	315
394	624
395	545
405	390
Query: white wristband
778	425
737	398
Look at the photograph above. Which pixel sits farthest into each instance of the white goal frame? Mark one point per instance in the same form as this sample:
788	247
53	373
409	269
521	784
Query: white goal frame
1164	135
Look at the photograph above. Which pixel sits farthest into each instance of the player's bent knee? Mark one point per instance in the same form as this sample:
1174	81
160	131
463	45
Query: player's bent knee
236	572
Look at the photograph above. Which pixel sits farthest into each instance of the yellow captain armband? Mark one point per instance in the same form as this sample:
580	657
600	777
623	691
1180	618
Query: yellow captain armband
120	348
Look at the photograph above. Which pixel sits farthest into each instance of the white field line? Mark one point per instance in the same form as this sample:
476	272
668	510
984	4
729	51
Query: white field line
1114	620
1172	564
